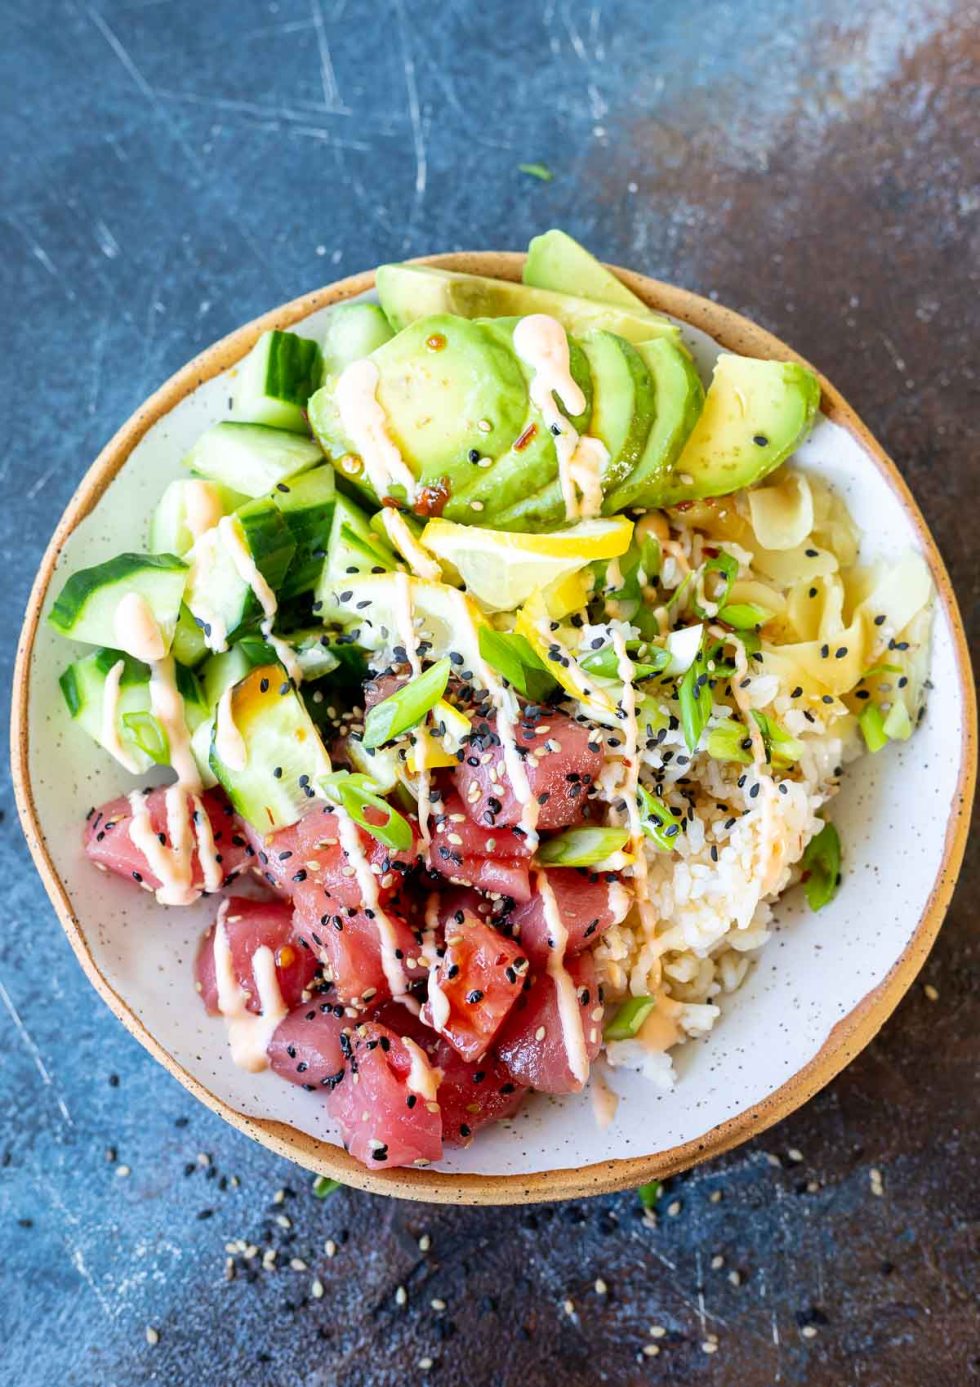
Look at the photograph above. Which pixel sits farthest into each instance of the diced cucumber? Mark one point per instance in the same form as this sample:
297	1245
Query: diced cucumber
276	379
87	606
306	504
283	753
188	507
217	594
189	646
201	751
231	666
314	653
83	685
251	458
353	331
353	547
382	763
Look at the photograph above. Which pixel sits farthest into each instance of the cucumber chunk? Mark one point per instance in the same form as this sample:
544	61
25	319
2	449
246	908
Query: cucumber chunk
283	753
189	646
87	606
354	547
276	379
251	458
557	262
217	594
144	742
306	504
187	508
353	330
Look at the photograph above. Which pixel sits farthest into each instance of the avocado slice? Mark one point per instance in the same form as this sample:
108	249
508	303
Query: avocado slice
755	413
353	330
448	388
530	462
557	262
408	292
623	408
679	399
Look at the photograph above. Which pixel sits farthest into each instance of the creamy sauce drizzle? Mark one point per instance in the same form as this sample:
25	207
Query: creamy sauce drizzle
437	1000
423	1077
569	1011
284	653
631	767
542	344
136	629
350	841
228	741
249	1034
111	739
405	619
245	565
604	1101
168	709
365	424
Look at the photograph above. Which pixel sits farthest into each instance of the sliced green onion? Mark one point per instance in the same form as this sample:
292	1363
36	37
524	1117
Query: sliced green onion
727	566
897	725
744	616
651	717
872	725
322	1187
357	793
628	1018
540	171
649	1194
605	662
821	867
514	657
780	747
661	824
694	699
582	847
407	706
724	743
679	595
145	731
650	557
879	669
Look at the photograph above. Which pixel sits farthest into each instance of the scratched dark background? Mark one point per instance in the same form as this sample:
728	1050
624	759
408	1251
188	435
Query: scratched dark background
172	169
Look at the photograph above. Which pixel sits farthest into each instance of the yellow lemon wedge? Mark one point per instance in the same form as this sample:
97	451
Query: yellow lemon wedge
503	569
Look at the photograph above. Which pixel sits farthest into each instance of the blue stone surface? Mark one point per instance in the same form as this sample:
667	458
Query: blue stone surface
171	169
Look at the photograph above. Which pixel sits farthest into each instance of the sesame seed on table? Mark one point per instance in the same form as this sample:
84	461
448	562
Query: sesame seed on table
173	170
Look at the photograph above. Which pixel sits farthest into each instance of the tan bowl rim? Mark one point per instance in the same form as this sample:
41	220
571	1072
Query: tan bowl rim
847	1038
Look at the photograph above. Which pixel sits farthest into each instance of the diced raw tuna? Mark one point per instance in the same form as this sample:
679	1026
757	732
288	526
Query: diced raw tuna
587	904
470	1094
311	850
306	1048
563	759
474	985
532	1042
249	925
108	843
385	1122
492	860
347	940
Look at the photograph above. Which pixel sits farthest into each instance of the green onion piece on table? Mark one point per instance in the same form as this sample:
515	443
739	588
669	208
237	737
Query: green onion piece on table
628	1018
821	867
357	794
407	706
649	1194
582	847
322	1187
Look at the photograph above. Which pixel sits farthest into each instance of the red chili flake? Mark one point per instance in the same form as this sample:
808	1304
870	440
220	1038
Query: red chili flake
436	342
433	498
525	438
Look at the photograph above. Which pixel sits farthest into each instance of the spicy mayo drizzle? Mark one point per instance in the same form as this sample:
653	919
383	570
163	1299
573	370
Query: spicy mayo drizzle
631	766
249	1034
366	425
542	344
569	1011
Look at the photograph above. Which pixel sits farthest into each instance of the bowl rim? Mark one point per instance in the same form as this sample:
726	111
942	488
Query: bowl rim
847	1037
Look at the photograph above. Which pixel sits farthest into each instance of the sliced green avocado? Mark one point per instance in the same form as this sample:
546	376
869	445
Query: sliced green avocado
353	330
755	413
530	462
448	388
408	292
679	398
557	262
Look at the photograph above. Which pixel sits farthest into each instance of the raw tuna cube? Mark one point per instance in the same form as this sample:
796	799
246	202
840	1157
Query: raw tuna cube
474	985
249	925
532	1043
385	1119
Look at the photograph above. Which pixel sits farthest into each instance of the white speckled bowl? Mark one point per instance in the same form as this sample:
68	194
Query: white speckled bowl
825	982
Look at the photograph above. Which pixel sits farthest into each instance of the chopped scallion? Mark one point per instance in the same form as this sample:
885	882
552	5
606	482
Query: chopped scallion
724	743
821	867
727	566
872	725
357	794
897	725
628	1018
322	1187
649	1194
582	847
694	699
661	824
407	706
513	656
145	730
744	616
781	748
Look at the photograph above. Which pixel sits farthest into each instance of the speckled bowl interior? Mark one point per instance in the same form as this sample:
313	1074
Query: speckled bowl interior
822	986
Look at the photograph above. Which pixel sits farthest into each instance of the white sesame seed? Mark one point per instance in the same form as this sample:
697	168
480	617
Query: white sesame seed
284	1221
437	1304
809	1331
202	1157
401	1296
932	993
795	1155
735	1277
122	1171
425	1364
709	1346
539	1034
229	1269
279	1197
600	1286
717	1262
298	1264
877	1183
715	1197
152	1335
657	1331
773	1160
316	1290
425	1242
674	1208
651	1350
330	1247
569	1307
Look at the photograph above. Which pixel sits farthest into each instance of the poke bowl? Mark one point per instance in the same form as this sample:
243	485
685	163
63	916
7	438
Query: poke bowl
798	834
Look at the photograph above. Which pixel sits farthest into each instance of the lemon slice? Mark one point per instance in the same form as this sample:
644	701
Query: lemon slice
502	569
